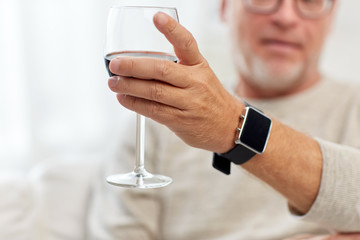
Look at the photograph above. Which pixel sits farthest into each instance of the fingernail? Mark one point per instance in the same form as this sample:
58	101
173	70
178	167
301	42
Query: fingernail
113	81
117	60
161	18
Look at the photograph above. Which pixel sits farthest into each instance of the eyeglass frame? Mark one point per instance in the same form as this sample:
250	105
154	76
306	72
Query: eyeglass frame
328	7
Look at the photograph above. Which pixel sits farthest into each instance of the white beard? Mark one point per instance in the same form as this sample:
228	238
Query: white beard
265	75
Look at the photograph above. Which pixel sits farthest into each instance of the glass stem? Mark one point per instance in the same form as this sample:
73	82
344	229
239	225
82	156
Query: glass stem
140	144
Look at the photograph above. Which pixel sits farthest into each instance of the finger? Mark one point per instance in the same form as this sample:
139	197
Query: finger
156	111
151	90
344	236
185	45
301	237
150	68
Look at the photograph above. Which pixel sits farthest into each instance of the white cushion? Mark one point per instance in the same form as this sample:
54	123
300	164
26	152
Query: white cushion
17	207
49	203
63	191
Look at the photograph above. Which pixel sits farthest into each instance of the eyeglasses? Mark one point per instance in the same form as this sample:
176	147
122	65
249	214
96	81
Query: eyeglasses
306	8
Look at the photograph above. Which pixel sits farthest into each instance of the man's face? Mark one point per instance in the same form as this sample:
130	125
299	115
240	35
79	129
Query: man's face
276	52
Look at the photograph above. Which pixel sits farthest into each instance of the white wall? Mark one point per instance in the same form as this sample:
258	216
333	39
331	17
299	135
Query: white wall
341	55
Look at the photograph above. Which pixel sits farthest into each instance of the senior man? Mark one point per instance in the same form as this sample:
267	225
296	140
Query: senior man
298	157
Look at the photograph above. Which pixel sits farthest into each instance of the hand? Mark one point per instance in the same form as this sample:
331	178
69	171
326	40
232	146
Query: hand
351	236
187	97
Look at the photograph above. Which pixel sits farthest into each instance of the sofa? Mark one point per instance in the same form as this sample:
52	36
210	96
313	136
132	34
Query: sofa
50	201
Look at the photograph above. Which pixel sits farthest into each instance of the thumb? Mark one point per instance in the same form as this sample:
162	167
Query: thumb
184	43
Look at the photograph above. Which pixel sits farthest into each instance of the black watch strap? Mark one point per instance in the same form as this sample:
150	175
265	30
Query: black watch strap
239	155
253	136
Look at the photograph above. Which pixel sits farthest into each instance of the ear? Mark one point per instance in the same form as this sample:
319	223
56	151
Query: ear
223	10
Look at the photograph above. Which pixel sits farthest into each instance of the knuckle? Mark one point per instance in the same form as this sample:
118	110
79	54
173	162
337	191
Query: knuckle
131	64
172	28
202	84
124	85
156	92
204	64
131	102
164	69
153	110
189	42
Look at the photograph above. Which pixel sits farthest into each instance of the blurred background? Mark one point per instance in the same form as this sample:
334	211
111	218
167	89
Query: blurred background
54	101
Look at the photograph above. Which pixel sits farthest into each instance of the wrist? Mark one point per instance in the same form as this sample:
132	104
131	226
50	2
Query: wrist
253	134
229	134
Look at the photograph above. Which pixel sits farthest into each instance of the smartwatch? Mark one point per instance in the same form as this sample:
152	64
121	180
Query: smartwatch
253	136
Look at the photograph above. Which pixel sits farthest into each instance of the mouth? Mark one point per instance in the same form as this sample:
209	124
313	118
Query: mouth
280	45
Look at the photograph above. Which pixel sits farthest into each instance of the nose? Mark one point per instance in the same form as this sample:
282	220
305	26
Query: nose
286	16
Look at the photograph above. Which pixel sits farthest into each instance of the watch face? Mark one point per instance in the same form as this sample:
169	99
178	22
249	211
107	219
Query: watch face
255	130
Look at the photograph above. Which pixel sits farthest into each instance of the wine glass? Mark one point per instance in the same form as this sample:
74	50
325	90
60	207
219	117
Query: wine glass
131	32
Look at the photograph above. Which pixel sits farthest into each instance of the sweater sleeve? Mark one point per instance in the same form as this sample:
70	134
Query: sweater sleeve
337	205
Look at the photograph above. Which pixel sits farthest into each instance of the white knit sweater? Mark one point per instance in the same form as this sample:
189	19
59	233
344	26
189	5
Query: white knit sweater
203	203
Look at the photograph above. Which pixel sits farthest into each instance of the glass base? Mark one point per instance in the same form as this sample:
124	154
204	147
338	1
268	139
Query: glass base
139	180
